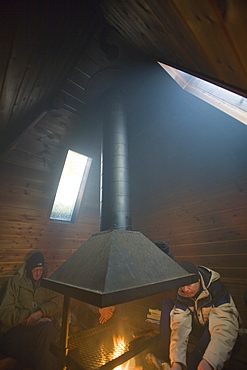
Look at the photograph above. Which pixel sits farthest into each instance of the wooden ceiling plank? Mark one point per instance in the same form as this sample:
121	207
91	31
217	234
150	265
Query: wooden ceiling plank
28	93
32	22
159	35
44	140
20	56
70	109
159	41
40	83
79	77
59	121
73	101
7	39
49	136
235	23
94	57
26	98
15	142
41	162
126	30
89	65
69	52
158	26
38	147
74	89
166	14
98	55
203	21
25	95
59	33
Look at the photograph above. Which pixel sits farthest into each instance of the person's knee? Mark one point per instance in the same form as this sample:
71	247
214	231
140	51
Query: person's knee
47	329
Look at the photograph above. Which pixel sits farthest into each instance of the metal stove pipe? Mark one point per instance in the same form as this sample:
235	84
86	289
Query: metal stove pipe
115	202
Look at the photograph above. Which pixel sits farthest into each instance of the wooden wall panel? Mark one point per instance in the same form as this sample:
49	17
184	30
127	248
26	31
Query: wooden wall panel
188	181
26	197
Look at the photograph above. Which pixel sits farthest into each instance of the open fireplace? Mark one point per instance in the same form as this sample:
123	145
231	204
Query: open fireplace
120	341
114	266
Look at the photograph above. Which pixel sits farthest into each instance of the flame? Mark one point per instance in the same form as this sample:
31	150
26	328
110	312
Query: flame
131	364
120	347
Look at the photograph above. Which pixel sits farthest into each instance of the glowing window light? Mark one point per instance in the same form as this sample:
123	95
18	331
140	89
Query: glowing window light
71	186
232	104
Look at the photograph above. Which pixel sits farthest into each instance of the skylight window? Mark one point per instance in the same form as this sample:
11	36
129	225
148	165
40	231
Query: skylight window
71	187
225	100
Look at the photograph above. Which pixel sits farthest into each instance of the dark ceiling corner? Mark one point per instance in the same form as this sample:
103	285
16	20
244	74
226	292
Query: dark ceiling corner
51	50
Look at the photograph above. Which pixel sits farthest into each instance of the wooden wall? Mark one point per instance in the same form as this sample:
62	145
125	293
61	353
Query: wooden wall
27	189
189	179
188	187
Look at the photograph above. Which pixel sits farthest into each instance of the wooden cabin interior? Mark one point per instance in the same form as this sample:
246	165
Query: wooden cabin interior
188	159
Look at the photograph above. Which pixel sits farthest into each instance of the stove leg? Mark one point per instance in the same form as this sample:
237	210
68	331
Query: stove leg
63	349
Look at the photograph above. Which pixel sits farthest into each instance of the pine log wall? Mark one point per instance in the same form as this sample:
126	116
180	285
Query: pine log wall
189	181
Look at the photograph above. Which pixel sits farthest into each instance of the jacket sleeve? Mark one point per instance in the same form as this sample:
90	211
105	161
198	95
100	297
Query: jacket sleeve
50	304
181	325
10	314
223	327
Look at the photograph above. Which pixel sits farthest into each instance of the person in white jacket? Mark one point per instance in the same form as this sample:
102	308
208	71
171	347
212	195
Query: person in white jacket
203	311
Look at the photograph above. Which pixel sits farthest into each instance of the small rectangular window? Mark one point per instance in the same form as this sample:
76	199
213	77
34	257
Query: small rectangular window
71	187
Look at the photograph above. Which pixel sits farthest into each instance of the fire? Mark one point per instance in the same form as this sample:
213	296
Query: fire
129	365
120	347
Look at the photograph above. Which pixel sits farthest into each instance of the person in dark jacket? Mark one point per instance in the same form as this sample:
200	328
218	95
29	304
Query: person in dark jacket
164	247
26	315
205	310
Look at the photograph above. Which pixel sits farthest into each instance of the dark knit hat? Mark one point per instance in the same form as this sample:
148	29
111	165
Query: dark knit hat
164	247
35	260
190	267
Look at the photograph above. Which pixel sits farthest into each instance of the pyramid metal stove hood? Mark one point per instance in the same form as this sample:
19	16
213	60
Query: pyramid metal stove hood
116	265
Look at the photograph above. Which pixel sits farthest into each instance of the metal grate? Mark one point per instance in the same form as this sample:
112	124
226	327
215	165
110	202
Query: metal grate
94	348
